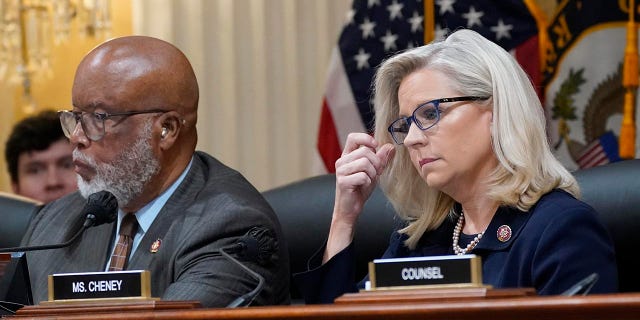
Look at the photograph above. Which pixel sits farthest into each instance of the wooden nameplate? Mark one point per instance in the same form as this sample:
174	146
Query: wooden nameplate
450	271
432	294
114	285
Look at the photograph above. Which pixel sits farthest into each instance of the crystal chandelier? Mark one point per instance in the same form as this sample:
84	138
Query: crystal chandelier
29	29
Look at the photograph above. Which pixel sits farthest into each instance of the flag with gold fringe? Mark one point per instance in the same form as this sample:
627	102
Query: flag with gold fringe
590	76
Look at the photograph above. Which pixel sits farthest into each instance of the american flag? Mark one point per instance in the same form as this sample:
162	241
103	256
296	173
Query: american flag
377	29
601	151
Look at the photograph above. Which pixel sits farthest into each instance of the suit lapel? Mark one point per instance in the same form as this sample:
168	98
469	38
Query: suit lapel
143	256
94	247
171	216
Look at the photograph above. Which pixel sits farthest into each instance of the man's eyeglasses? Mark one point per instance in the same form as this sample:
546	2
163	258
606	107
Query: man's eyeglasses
92	122
424	116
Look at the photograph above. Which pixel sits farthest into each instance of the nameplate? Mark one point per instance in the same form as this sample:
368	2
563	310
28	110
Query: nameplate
441	271
100	285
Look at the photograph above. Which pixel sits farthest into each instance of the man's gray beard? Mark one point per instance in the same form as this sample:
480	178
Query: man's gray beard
127	175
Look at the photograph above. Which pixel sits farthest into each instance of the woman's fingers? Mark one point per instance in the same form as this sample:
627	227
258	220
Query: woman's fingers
385	154
360	154
356	140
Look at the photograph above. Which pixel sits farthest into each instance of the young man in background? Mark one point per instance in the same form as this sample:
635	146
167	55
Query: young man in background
39	158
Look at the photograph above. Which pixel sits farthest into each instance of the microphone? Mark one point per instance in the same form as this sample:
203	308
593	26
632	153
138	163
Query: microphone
258	245
101	207
583	286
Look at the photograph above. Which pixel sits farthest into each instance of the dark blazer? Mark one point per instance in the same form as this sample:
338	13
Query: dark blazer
556	244
213	207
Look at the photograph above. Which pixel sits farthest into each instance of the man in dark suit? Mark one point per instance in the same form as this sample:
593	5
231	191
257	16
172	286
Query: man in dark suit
133	126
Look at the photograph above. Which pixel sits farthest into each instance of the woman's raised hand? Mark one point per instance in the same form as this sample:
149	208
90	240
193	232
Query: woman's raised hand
357	173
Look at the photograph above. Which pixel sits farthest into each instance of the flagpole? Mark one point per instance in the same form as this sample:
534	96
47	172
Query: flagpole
429	21
630	82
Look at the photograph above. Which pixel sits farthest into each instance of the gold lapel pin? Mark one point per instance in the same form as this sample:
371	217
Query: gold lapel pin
155	246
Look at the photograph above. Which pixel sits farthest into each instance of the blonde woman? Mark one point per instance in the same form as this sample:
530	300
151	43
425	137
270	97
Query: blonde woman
461	152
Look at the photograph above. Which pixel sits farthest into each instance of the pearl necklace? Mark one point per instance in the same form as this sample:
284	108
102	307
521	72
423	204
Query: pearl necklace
456	237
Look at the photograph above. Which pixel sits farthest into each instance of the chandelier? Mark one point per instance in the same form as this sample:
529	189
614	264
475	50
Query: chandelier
30	28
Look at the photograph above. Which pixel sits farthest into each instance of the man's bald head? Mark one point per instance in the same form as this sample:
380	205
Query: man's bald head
153	73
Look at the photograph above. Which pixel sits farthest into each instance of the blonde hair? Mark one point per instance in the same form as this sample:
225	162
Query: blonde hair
477	67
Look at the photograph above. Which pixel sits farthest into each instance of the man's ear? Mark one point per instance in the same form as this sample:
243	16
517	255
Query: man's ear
170	124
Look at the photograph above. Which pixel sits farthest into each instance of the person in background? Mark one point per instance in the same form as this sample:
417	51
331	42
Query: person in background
38	157
471	173
133	130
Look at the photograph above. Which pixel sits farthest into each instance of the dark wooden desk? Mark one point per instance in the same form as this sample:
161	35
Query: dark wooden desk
609	307
433	295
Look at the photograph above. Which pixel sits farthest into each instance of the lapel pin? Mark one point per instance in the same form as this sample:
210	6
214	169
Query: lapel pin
155	246
504	233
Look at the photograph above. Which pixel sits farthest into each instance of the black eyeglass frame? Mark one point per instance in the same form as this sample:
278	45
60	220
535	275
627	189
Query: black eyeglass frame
436	105
98	116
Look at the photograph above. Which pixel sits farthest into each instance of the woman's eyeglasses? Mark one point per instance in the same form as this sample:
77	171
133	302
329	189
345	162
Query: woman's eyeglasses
424	116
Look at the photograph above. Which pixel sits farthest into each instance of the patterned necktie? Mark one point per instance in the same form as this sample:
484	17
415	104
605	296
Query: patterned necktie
128	229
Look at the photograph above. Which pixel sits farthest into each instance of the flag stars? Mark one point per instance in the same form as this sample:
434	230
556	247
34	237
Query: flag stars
395	10
367	28
445	6
416	22
350	15
371	3
362	59
502	30
473	17
389	41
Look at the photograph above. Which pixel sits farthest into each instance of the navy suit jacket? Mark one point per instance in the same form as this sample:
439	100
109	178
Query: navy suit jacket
212	208
559	242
